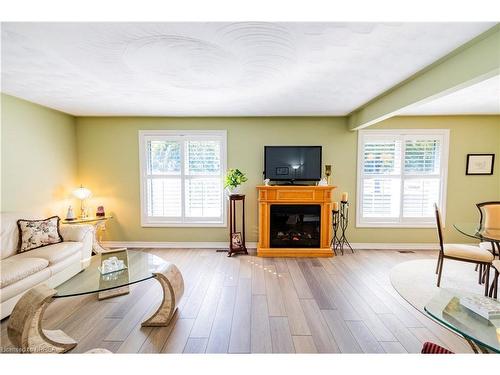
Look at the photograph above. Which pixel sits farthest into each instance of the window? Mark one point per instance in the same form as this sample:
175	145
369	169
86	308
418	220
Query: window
400	176
182	177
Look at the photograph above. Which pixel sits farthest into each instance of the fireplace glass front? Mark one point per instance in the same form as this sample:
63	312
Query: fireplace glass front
295	226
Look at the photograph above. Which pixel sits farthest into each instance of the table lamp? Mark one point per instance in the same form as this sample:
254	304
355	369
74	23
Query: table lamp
82	194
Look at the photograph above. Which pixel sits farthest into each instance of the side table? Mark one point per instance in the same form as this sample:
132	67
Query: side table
236	239
99	224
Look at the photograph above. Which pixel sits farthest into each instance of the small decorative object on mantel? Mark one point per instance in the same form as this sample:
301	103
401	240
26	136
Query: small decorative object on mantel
70	215
480	164
328	173
266	181
340	219
234	179
100	211
323	182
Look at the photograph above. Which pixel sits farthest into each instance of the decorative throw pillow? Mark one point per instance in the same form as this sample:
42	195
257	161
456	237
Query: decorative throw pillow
38	233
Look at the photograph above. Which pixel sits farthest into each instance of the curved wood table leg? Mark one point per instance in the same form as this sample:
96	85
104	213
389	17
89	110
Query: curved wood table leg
172	283
25	324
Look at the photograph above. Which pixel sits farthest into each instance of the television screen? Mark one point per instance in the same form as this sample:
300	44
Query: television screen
289	163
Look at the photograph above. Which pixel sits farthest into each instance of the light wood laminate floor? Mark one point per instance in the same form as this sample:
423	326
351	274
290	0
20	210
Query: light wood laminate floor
247	304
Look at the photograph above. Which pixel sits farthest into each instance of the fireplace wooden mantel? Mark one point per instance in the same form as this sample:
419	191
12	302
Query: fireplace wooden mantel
317	195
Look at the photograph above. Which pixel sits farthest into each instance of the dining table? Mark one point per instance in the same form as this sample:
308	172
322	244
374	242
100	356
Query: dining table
479	232
483	335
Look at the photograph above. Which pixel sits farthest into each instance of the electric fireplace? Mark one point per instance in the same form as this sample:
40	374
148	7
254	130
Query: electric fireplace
295	221
295	226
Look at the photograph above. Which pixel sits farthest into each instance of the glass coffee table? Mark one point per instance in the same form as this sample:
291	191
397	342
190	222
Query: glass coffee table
483	335
25	323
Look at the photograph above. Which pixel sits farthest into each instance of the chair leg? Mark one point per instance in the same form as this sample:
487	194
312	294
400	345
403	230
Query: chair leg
480	274
477	266
487	280
440	272
484	273
494	285
438	262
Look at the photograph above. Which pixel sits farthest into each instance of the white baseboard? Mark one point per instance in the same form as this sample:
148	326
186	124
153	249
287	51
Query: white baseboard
395	246
253	245
174	245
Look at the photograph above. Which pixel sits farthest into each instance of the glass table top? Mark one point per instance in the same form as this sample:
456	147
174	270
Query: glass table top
140	267
475	231
446	309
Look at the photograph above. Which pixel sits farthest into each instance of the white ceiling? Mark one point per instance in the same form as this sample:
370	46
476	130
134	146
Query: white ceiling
482	98
218	69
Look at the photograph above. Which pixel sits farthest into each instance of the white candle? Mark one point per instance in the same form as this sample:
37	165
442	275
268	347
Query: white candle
335	206
344	197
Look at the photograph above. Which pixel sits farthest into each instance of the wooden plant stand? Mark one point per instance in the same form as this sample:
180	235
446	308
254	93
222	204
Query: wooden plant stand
232	224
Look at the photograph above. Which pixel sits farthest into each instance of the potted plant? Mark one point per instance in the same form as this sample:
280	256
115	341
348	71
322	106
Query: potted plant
234	178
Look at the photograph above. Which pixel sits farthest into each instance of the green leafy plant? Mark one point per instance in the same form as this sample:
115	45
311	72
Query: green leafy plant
234	178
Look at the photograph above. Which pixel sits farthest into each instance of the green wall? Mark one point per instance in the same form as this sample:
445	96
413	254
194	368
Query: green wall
46	153
109	165
38	157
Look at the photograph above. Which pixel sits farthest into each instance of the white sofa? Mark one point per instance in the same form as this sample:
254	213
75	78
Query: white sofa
51	265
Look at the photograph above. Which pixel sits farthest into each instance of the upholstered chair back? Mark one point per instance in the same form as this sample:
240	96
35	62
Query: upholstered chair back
439	227
489	214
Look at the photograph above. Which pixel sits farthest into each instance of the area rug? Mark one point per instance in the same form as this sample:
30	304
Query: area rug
416	280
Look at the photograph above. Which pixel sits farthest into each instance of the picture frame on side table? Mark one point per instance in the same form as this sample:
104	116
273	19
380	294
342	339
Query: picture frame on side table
236	240
480	164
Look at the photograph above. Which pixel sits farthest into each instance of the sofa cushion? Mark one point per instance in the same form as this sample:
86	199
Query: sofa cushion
65	263
23	285
38	233
14	269
53	253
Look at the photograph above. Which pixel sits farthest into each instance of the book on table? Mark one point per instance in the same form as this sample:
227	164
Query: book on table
486	307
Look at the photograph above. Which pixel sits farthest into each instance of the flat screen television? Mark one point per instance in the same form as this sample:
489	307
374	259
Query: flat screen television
292	163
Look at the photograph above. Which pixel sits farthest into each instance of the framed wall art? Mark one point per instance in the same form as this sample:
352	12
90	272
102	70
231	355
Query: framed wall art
480	164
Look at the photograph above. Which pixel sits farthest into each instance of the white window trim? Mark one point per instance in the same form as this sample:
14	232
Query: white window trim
445	133
147	221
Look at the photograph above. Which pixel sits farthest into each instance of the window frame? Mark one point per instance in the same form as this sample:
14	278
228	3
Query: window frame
146	135
401	134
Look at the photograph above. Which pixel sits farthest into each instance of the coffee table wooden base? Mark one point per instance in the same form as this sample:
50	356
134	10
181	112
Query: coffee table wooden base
172	283
25	324
113	293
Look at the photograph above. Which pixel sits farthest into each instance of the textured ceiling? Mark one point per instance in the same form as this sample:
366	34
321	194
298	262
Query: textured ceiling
481	98
218	69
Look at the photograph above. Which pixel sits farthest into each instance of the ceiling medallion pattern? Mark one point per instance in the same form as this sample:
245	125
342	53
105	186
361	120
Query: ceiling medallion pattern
218	69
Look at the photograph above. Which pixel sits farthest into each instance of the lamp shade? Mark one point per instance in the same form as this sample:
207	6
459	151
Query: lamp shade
82	193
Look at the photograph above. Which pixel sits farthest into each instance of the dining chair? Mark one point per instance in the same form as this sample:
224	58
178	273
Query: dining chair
462	253
489	219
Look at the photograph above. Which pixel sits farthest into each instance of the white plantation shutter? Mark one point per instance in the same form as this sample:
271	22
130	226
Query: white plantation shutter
182	177
401	174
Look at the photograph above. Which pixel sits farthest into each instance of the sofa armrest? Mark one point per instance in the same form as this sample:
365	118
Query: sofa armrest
75	232
83	233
